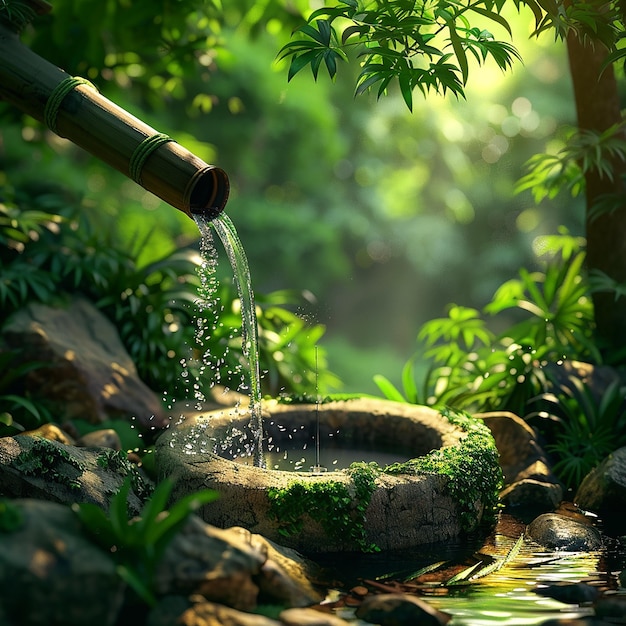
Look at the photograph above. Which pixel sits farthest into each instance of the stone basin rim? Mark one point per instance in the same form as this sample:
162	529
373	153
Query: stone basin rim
422	422
405	510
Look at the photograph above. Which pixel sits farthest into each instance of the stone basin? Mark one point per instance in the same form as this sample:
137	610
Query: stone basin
404	510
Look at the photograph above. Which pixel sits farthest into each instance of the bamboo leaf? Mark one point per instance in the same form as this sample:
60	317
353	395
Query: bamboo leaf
493	16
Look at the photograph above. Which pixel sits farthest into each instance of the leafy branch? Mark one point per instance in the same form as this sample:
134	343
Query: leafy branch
584	151
427	44
423	45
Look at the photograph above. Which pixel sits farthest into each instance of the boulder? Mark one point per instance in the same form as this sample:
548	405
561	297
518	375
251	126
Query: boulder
51	574
529	483
103	438
569	593
210	614
603	491
310	617
234	567
559	532
89	372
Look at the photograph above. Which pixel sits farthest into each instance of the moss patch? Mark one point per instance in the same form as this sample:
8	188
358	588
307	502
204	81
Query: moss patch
472	467
45	459
338	507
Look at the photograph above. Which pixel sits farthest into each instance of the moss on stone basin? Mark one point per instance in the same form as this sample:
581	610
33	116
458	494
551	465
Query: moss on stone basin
447	485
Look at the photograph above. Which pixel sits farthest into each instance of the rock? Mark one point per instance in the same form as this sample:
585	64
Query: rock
104	438
310	617
52	433
611	608
213	562
90	373
558	532
529	483
569	593
596	378
51	575
210	614
603	490
32	467
532	495
285	576
399	609
234	567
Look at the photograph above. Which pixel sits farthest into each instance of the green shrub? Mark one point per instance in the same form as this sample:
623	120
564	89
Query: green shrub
137	543
472	368
582	426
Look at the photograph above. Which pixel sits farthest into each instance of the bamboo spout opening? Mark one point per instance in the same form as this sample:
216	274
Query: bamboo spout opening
208	192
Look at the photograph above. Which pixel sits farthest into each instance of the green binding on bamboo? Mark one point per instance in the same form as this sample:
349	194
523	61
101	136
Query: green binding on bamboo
53	104
142	152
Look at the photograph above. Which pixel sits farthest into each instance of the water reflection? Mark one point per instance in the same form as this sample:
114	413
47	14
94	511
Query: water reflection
450	577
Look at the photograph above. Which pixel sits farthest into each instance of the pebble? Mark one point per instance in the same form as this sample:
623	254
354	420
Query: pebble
400	609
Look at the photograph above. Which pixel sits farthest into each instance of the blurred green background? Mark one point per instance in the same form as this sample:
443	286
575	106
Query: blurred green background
377	217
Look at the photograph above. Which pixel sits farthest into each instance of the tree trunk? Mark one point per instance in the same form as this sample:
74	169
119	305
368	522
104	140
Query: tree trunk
598	108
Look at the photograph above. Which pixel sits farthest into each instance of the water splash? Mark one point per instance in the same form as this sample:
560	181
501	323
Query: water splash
227	233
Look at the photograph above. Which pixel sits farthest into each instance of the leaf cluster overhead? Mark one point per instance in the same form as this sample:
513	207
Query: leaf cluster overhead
428	44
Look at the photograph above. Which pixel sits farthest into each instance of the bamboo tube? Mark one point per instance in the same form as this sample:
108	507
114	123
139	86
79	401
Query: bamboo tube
109	132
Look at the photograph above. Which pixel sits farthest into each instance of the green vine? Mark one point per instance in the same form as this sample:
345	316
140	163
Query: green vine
472	467
339	508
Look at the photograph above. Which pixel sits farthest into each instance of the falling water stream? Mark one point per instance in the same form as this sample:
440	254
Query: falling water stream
227	233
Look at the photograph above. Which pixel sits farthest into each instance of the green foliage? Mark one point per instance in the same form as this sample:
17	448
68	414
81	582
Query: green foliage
17	13
117	461
138	544
11	518
473	368
420	45
340	509
582	427
584	151
21	410
472	467
427	45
